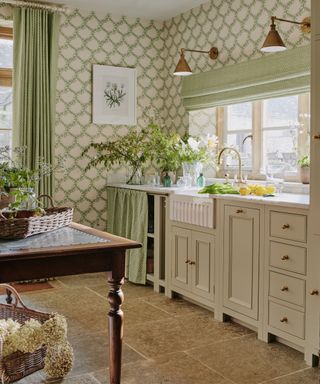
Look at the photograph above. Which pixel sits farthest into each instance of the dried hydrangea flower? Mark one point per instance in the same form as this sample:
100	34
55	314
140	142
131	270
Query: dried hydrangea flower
55	329
59	360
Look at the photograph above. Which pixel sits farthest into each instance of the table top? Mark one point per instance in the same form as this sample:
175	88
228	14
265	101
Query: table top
74	238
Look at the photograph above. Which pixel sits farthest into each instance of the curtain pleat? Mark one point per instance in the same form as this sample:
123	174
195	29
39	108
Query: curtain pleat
34	85
128	217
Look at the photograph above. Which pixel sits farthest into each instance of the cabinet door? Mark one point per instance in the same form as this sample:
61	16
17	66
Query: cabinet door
202	265
180	256
241	260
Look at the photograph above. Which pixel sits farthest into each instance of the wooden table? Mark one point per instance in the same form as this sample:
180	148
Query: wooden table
60	260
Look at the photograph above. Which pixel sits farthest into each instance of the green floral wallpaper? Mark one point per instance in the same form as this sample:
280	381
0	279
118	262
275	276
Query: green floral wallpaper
236	27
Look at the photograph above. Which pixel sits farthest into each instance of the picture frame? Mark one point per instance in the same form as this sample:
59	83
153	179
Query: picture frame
114	95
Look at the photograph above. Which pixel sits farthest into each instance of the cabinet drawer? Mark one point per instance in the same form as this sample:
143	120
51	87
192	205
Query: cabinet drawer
289	226
288	257
286	319
287	288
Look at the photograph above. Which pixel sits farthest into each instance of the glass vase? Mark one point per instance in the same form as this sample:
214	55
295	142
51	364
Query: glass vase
135	176
191	171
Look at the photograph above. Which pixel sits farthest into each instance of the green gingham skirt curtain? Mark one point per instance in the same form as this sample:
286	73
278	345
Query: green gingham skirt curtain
35	34
128	217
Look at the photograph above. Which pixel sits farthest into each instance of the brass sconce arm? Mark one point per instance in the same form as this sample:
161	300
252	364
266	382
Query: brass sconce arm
305	23
213	52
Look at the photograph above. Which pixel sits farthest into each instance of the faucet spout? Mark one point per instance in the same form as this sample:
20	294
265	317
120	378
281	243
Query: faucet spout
238	157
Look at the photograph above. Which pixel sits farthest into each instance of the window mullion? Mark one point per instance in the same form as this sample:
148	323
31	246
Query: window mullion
220	124
257	137
304	121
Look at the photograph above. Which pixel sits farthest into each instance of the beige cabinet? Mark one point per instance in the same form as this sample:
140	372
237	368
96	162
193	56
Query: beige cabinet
180	258
313	268
241	254
285	275
192	268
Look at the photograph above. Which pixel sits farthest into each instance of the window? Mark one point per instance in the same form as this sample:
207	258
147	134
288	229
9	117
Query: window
269	134
6	63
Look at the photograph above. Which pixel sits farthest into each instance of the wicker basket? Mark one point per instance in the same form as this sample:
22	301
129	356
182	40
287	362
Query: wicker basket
18	365
24	224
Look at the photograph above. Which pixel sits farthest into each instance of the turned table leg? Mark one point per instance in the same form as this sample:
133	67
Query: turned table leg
115	316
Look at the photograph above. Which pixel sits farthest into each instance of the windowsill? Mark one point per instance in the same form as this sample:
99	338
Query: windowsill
288	186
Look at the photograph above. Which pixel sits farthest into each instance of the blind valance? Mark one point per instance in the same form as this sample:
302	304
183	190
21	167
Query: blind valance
274	75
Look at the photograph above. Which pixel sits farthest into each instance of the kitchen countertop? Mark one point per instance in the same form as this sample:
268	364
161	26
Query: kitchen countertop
292	200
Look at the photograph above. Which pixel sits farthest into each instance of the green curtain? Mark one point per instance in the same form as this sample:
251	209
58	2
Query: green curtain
273	75
128	217
35	54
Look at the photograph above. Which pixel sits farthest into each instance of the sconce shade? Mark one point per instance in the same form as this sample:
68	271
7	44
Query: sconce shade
273	41
182	68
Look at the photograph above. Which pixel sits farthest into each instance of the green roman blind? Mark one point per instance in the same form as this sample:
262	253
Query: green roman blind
273	75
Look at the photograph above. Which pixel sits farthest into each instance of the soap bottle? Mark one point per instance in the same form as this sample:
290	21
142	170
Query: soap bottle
201	181
167	180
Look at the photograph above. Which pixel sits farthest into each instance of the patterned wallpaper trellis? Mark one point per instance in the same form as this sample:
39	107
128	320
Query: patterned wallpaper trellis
236	27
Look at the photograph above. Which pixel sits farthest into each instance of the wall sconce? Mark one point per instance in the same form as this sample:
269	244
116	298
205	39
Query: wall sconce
273	41
183	69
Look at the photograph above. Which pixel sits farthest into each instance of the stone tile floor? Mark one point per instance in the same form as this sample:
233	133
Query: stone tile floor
165	341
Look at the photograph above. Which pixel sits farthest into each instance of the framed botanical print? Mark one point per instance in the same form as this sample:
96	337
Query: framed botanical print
114	95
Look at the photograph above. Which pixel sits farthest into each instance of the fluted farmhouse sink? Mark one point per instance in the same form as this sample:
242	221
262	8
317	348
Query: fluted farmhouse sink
191	208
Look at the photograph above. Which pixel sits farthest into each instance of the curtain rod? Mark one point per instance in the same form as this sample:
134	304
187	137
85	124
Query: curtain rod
37	5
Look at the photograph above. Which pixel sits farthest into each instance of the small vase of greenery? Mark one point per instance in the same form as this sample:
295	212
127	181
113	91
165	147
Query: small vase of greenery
304	163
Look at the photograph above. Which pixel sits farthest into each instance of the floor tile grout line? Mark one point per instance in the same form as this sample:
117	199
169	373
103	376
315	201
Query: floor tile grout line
134	349
210	369
286	375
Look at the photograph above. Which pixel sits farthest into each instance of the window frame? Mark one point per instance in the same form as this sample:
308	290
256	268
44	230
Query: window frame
257	131
6	74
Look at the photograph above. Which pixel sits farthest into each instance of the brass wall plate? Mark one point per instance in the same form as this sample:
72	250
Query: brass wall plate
213	53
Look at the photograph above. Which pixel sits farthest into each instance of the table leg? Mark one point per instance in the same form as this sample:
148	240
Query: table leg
115	315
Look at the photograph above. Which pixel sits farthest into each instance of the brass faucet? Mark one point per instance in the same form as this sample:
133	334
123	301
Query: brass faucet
241	181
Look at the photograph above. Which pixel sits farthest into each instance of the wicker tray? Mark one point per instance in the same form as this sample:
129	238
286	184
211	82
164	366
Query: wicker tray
24	224
18	365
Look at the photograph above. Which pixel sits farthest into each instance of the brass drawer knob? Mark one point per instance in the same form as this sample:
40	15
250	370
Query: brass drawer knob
192	262
285	226
285	257
314	292
187	261
316	137
284	319
285	288
239	211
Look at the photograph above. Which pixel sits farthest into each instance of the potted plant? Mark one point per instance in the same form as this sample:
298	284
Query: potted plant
304	163
132	150
195	152
17	182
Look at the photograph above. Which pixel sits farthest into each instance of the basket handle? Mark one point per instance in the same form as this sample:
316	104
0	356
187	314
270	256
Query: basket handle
49	198
15	294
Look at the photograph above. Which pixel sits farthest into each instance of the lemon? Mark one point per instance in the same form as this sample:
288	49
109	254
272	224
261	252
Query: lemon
244	191
260	190
270	189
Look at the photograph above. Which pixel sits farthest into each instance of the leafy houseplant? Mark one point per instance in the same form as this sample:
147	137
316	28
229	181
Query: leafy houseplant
304	163
166	151
132	149
17	182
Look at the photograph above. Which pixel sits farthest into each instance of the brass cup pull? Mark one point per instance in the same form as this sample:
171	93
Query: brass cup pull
316	137
285	226
314	292
284	319
192	262
239	211
285	257
284	288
